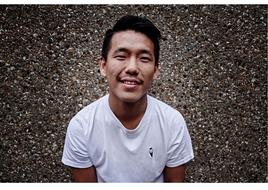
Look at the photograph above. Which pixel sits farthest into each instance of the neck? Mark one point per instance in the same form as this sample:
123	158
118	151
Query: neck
129	113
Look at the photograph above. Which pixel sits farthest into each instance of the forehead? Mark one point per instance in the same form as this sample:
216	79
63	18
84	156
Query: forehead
131	40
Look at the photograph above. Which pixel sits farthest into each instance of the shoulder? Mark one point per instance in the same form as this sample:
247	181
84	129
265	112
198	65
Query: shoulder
164	109
94	106
89	112
169	118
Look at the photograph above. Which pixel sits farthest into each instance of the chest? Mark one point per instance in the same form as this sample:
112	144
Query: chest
128	157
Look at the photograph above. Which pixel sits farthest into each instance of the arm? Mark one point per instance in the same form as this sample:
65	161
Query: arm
175	174
84	174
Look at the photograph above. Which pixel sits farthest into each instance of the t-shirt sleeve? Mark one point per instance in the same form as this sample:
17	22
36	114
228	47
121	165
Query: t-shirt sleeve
180	149
75	153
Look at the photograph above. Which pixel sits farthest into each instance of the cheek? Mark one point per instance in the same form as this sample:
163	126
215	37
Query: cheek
149	72
112	73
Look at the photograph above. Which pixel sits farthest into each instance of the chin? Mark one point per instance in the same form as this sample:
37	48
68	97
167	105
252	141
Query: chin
131	98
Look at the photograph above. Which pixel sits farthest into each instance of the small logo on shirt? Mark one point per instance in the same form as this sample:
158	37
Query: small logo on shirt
151	151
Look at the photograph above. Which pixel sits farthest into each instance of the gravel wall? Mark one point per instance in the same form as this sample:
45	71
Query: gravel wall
213	69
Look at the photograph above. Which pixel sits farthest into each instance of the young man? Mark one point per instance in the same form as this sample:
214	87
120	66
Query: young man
128	136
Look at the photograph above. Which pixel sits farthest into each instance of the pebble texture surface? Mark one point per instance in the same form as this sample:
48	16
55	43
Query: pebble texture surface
213	69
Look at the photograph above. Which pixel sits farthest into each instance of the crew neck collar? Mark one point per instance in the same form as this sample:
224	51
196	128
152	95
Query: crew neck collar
141	125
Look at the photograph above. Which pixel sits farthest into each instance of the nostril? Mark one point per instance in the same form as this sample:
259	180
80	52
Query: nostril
132	73
132	69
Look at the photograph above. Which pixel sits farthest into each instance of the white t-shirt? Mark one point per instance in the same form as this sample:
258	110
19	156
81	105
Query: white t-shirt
96	137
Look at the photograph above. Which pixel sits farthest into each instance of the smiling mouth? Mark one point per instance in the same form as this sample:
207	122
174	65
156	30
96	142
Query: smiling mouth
130	82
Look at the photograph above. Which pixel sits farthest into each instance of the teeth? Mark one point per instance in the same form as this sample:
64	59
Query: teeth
128	82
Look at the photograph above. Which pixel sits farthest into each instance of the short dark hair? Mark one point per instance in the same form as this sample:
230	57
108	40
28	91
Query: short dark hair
138	24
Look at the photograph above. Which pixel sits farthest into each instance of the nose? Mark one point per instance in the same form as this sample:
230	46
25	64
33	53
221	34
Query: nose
132	66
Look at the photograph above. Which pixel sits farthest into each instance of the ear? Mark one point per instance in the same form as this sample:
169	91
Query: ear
156	70
102	66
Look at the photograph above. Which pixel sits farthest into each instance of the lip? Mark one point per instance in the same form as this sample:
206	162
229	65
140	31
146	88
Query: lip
130	80
130	83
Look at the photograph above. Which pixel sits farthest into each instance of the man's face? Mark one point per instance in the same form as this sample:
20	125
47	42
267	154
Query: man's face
130	66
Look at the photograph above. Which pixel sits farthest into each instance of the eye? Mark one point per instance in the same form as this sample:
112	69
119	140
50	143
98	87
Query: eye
120	57
145	59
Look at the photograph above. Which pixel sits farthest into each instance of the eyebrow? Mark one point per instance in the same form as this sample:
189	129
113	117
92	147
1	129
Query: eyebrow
121	49
147	52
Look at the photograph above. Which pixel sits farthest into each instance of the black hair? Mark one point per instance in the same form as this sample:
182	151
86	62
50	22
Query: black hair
138	24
